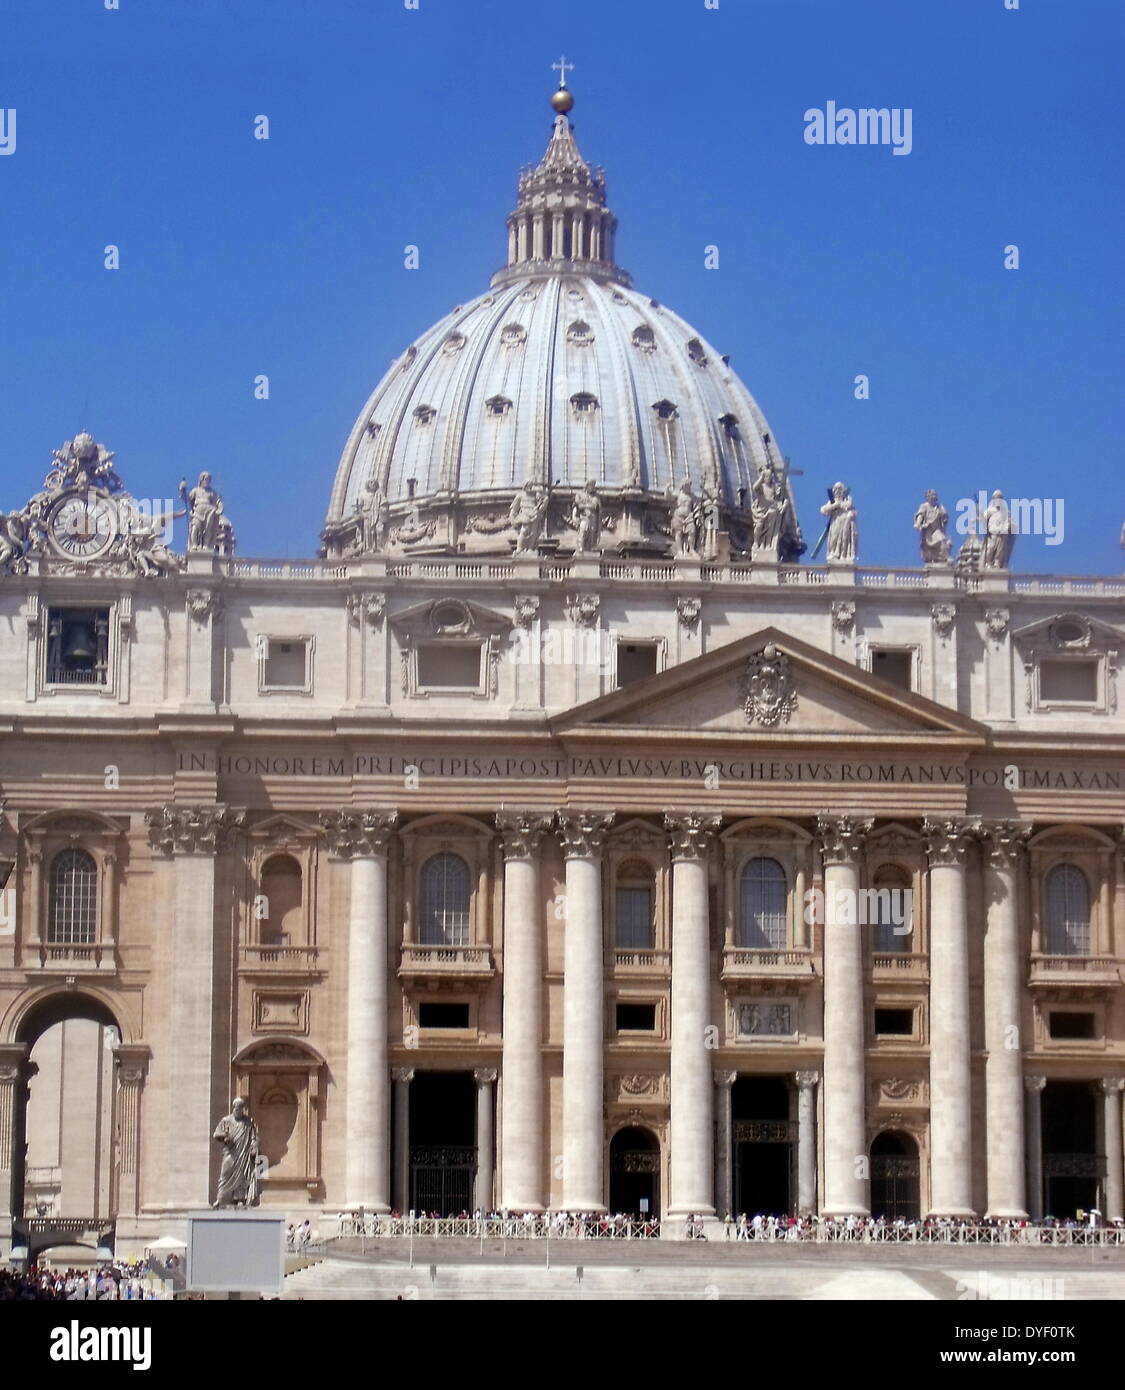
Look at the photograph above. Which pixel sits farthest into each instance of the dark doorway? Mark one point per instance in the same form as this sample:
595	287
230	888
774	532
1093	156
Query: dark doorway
895	1177
443	1146
1072	1166
634	1173
764	1141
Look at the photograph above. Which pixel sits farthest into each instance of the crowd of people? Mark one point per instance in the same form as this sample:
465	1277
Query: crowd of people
106	1283
559	1224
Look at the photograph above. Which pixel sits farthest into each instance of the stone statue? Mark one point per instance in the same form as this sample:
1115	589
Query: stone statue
768	506
145	549
370	520
205	515
685	520
13	543
843	532
82	463
526	514
930	520
998	532
238	1177
710	518
586	517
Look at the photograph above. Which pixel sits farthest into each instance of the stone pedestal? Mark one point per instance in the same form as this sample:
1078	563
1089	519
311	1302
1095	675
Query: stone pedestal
691	1138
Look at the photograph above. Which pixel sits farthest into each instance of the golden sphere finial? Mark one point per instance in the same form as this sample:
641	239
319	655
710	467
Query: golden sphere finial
562	101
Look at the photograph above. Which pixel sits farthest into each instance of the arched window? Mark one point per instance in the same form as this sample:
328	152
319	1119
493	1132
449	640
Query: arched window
443	919
764	893
1068	911
281	888
633	922
891	918
72	911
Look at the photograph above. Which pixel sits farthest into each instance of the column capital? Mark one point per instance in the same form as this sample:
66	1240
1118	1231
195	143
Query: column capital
806	1080
12	1058
725	1079
948	839
402	1074
1003	841
485	1076
354	834
690	833
521	831
192	829
582	833
1034	1083
841	837
131	1060
1111	1085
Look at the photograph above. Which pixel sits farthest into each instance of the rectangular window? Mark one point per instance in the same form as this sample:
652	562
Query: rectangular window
633	919
1069	682
896	667
894	1023
635	661
1072	1026
285	663
454	666
636	1018
443	1015
78	646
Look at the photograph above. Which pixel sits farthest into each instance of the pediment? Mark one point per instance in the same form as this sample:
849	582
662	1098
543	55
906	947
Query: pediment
771	686
449	617
1068	632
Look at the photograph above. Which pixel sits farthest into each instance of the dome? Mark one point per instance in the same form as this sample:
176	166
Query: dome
559	376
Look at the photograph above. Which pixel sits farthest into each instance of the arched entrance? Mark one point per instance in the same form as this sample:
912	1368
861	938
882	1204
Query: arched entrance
764	1140
895	1177
64	1163
634	1173
1072	1164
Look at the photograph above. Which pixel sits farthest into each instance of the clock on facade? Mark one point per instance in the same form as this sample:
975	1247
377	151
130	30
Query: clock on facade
81	528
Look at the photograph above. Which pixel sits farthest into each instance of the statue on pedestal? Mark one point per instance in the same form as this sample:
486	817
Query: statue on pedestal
685	520
586	517
768	506
999	534
526	514
208	527
238	1177
930	521
842	529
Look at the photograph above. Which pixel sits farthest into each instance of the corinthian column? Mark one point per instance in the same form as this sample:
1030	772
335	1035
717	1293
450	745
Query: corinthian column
845	1142
401	1077
485	1077
724	1143
189	838
1033	1123
951	1175
363	837
1114	1178
582	835
132	1064
691	1138
521	1125
806	1141
1003	998
13	1059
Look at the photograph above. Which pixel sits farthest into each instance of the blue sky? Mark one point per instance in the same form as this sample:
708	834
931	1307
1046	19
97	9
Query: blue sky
392	126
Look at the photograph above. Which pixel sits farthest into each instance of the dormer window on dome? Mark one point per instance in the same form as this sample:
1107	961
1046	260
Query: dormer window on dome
408	358
696	353
424	414
644	339
730	426
665	410
453	344
584	403
372	429
497	406
579	334
513	335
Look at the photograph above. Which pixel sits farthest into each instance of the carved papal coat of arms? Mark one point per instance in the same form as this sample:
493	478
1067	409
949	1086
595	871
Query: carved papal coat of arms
767	688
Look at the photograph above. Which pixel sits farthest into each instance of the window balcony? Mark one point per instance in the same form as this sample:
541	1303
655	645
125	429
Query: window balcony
279	960
72	957
740	964
889	966
445	962
1075	972
629	960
